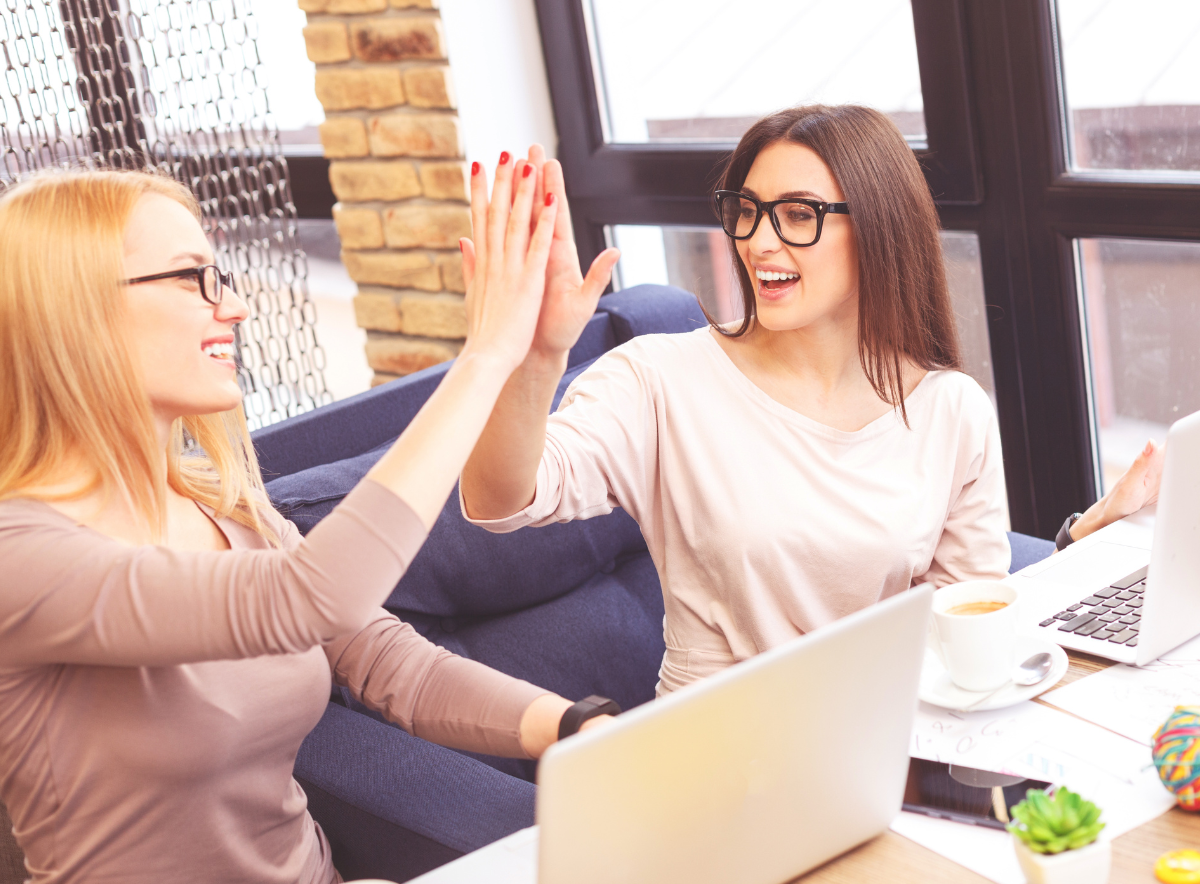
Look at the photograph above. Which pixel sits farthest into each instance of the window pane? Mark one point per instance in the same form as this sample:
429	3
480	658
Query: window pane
691	258
1142	324
286	72
706	69
1131	72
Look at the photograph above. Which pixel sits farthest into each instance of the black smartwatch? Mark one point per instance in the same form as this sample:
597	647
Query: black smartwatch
1064	538
588	707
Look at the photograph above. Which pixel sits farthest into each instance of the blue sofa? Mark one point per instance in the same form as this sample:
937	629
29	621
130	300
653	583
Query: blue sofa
575	608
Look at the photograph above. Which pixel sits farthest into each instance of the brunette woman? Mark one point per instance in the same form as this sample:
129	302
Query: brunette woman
822	454
166	639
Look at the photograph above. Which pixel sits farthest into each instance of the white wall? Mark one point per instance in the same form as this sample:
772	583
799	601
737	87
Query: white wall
500	77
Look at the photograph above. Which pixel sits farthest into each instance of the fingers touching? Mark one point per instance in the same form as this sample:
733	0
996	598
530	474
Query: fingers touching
552	175
498	211
493	221
539	244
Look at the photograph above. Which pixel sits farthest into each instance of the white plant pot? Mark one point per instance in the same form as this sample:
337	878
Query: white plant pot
1085	865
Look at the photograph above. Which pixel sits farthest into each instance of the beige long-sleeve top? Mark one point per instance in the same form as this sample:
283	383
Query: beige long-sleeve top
764	524
152	702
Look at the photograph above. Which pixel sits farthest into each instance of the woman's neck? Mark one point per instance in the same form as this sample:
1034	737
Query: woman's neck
824	356
815	370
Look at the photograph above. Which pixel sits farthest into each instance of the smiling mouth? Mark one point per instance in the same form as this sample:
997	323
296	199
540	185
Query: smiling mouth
220	351
772	281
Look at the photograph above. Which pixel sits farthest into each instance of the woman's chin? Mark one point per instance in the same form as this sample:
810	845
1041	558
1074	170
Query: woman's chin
778	316
215	403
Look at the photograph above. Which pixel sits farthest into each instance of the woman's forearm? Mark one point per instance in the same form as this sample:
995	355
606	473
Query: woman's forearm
424	463
1093	519
500	475
539	724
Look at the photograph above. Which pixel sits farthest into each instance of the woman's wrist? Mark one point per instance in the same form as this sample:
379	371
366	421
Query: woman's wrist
539	723
1093	519
540	363
489	359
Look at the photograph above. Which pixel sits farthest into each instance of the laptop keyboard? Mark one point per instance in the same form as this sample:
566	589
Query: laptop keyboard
1112	614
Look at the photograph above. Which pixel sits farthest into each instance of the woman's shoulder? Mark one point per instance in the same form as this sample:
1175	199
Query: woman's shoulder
957	396
661	354
666	345
950	384
17	513
647	367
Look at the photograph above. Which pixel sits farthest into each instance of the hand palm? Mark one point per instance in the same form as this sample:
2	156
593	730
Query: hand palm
570	298
1140	484
566	307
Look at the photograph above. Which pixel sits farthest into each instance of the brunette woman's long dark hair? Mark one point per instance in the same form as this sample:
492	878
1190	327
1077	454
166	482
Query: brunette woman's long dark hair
903	302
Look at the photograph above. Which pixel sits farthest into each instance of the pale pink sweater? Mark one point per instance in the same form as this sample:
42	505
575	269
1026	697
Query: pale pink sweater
762	523
152	702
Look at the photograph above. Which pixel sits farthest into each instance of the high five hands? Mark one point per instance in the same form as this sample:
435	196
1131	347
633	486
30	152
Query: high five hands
570	297
505	266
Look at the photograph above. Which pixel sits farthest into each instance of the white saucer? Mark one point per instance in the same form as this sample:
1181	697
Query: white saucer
937	689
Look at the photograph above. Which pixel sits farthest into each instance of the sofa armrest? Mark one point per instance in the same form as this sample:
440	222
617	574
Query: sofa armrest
651	310
394	806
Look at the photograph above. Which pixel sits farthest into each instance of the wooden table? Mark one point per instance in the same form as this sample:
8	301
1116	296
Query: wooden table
896	860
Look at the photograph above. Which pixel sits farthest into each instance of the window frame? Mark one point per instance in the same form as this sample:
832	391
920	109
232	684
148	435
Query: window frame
996	163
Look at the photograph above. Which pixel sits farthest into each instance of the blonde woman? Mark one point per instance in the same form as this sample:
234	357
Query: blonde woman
166	639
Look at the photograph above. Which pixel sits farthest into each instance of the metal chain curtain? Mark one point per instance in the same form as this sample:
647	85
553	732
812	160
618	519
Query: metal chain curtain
175	86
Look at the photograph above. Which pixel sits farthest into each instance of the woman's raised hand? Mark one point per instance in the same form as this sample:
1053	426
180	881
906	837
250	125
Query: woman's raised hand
570	297
505	265
500	476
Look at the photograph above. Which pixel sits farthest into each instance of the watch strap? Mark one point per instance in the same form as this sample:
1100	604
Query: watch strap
588	707
1064	538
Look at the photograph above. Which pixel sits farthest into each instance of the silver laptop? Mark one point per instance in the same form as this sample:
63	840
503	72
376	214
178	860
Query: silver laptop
755	775
1127	592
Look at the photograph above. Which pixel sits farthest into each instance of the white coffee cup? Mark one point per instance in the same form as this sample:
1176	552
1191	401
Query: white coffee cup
978	650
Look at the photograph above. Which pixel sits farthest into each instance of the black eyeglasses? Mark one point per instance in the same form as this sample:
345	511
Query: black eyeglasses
213	281
798	220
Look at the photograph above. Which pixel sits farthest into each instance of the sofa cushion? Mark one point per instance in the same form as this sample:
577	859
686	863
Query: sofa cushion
1026	550
463	570
605	637
368	781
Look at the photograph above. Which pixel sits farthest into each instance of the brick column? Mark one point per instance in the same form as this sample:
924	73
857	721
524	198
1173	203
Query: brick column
396	165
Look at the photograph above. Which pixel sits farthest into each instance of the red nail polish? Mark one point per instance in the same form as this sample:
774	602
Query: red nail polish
526	169
549	199
474	168
460	247
504	158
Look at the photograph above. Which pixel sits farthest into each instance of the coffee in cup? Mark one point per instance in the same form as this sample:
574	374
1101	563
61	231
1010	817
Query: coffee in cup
975	624
969	609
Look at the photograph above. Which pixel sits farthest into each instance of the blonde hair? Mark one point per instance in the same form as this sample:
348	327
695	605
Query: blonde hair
71	396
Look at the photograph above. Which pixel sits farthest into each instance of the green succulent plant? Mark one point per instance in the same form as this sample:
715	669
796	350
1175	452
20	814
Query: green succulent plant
1052	825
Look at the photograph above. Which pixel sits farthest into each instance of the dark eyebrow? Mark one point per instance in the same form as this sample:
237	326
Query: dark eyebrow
790	195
